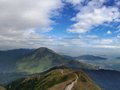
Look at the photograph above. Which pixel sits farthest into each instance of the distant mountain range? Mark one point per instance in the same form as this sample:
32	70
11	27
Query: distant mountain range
35	60
85	57
118	57
57	78
43	58
90	57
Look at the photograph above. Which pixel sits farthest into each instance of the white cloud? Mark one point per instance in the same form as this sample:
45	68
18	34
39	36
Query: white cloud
74	2
118	3
107	46
109	32
26	14
106	41
20	20
93	14
26	39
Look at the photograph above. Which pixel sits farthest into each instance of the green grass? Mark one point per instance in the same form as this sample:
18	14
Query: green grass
43	83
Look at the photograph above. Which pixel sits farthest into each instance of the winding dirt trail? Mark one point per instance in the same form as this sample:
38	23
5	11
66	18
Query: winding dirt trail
62	72
71	85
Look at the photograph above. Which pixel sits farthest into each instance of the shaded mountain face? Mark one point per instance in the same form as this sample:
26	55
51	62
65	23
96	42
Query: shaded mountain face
107	79
55	79
90	57
43	58
9	58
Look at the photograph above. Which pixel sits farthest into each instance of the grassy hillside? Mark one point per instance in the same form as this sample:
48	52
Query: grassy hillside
55	79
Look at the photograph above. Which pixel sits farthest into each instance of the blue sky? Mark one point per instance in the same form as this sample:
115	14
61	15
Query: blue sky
60	24
63	23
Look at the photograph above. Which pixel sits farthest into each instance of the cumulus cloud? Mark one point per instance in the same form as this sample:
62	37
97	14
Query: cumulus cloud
75	2
26	14
28	39
117	2
20	20
109	32
93	14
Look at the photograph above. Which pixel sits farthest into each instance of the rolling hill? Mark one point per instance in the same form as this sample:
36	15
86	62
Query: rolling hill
57	78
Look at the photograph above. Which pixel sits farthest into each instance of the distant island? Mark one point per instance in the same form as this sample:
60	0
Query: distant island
118	58
91	57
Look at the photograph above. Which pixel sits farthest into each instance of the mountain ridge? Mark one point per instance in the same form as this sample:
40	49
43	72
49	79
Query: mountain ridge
61	78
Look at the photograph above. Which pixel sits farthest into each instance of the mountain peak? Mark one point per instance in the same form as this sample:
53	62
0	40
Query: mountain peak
43	49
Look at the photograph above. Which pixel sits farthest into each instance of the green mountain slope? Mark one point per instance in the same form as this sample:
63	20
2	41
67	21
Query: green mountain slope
40	60
43	58
59	78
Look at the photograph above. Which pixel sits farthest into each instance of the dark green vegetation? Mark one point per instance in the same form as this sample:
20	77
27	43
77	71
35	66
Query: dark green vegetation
43	58
90	57
57	78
